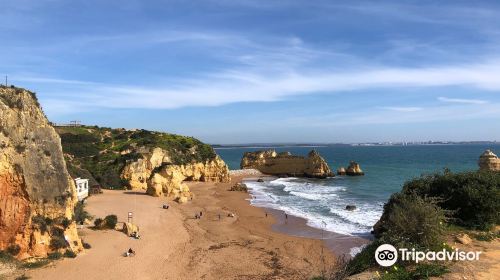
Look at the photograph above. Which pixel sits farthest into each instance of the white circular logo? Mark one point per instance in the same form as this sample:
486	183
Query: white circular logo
386	255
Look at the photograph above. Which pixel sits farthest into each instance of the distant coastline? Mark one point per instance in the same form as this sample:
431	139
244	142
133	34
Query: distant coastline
316	145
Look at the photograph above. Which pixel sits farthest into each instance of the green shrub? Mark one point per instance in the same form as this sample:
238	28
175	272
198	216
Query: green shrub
13	249
398	273
98	222
54	256
486	236
35	264
426	270
58	242
69	254
412	221
6	257
65	222
474	197
111	221
364	259
41	222
80	213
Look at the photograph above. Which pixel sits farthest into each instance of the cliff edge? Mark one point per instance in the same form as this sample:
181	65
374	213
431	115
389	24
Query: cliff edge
280	164
37	195
141	160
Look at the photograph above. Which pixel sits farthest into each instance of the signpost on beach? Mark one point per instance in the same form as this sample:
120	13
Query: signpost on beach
130	215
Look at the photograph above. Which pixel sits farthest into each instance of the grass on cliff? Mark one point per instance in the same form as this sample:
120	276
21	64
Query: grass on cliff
104	151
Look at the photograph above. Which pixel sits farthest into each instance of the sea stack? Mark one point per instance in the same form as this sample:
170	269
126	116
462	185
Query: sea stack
341	171
286	164
489	161
37	195
354	169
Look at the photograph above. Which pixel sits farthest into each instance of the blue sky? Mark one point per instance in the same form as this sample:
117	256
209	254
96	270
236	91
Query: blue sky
229	71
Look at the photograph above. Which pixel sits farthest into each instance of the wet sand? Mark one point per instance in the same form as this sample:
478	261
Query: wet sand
175	245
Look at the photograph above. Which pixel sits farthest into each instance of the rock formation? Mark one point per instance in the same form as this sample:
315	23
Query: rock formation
341	171
37	195
167	179
489	161
285	164
153	161
354	169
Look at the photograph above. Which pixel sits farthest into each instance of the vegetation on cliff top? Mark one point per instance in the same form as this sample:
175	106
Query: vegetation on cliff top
427	210
103	152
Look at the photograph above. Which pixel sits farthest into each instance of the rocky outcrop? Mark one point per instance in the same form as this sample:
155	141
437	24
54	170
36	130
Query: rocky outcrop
341	171
37	195
354	169
285	164
168	179
489	161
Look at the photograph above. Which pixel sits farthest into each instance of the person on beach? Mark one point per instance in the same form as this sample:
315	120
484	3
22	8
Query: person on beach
201	214
266	214
286	218
130	252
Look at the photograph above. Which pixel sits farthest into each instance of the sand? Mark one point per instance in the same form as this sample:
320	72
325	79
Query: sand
175	245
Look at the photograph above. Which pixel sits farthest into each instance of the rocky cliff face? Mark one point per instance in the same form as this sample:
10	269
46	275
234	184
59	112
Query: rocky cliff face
156	173
270	162
489	161
35	187
141	160
354	169
168	180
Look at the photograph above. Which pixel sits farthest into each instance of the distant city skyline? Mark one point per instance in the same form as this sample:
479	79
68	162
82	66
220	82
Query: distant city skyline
230	72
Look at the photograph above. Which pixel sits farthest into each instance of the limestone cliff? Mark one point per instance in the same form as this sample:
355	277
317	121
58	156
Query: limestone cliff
489	161
270	162
156	173
169	179
141	160
35	187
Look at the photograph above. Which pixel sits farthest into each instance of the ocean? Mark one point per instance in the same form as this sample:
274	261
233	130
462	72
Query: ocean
322	202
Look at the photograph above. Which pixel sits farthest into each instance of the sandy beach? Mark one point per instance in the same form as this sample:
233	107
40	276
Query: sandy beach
175	245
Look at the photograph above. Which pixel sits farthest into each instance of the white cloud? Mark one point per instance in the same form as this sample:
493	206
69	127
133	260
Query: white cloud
463	101
252	85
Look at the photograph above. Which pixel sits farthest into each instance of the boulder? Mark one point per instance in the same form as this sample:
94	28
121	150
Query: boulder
240	187
129	229
260	180
350	207
463	239
285	164
354	169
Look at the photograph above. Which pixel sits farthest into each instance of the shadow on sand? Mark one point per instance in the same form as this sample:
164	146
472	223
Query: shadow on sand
135	193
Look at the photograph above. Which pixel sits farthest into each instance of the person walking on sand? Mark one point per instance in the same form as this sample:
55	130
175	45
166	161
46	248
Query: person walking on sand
286	218
201	214
266	214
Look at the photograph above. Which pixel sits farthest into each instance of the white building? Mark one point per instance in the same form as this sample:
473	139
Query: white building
82	188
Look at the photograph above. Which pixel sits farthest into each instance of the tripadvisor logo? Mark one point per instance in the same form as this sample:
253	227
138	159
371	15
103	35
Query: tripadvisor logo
387	255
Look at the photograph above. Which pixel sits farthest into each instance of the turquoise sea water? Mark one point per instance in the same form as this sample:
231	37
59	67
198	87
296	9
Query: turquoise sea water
322	202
